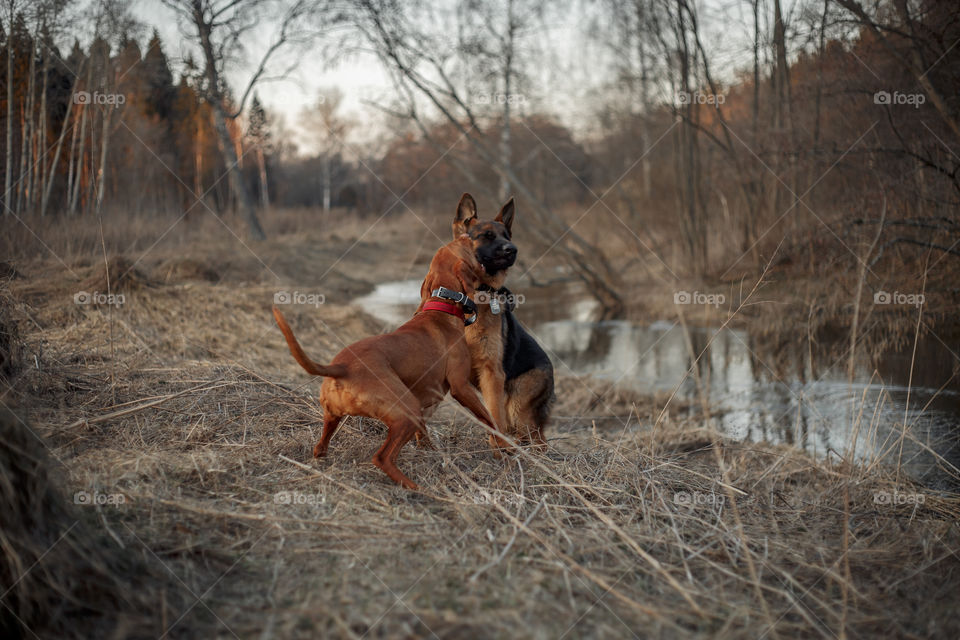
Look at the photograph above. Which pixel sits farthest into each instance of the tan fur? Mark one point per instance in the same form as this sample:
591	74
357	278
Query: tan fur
486	357
522	395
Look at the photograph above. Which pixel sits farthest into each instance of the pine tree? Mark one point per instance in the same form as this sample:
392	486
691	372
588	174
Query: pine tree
159	79
258	134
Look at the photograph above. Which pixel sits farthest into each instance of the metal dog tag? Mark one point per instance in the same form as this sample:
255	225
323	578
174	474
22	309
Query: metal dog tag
494	305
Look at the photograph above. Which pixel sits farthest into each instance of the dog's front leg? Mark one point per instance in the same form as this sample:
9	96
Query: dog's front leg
492	384
468	396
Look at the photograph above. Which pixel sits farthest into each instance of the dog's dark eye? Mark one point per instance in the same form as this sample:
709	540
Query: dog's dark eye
489	236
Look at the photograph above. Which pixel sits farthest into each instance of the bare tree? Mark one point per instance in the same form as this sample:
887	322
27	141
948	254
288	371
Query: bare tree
492	35
8	168
259	135
420	70
626	29
914	46
221	26
328	128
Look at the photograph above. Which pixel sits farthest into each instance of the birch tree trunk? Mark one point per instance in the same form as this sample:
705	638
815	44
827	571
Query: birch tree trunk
505	154
198	160
102	168
237	186
40	165
645	166
262	167
78	178
26	118
8	167
326	182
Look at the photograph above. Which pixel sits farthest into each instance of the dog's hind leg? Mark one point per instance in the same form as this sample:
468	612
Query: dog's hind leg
404	419
423	438
330	424
529	400
400	432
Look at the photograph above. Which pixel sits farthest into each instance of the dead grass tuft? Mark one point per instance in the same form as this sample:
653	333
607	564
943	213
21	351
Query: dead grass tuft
180	269
11	345
61	574
118	274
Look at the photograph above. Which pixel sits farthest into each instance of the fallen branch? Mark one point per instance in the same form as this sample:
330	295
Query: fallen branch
920	243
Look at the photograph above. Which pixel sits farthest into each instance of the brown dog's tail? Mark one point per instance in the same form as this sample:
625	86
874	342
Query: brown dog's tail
329	370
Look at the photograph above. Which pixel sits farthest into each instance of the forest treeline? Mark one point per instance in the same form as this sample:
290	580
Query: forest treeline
840	121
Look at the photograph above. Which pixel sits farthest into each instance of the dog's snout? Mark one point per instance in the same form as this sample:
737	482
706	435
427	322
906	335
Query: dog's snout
508	249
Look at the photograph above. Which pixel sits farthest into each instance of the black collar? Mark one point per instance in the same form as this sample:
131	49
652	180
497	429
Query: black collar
469	306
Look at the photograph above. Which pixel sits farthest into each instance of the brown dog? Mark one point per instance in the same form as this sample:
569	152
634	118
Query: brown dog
513	372
396	377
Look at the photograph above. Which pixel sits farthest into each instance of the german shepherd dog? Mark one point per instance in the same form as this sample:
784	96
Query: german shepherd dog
512	371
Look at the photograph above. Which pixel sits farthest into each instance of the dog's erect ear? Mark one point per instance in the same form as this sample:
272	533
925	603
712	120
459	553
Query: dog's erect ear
506	215
466	215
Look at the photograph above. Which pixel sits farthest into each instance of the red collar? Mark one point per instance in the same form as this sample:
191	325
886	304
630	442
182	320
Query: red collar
446	307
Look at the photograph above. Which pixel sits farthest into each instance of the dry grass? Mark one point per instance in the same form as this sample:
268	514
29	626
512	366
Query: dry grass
185	402
62	573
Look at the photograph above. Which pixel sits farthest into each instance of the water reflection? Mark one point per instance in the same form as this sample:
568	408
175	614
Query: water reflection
790	396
